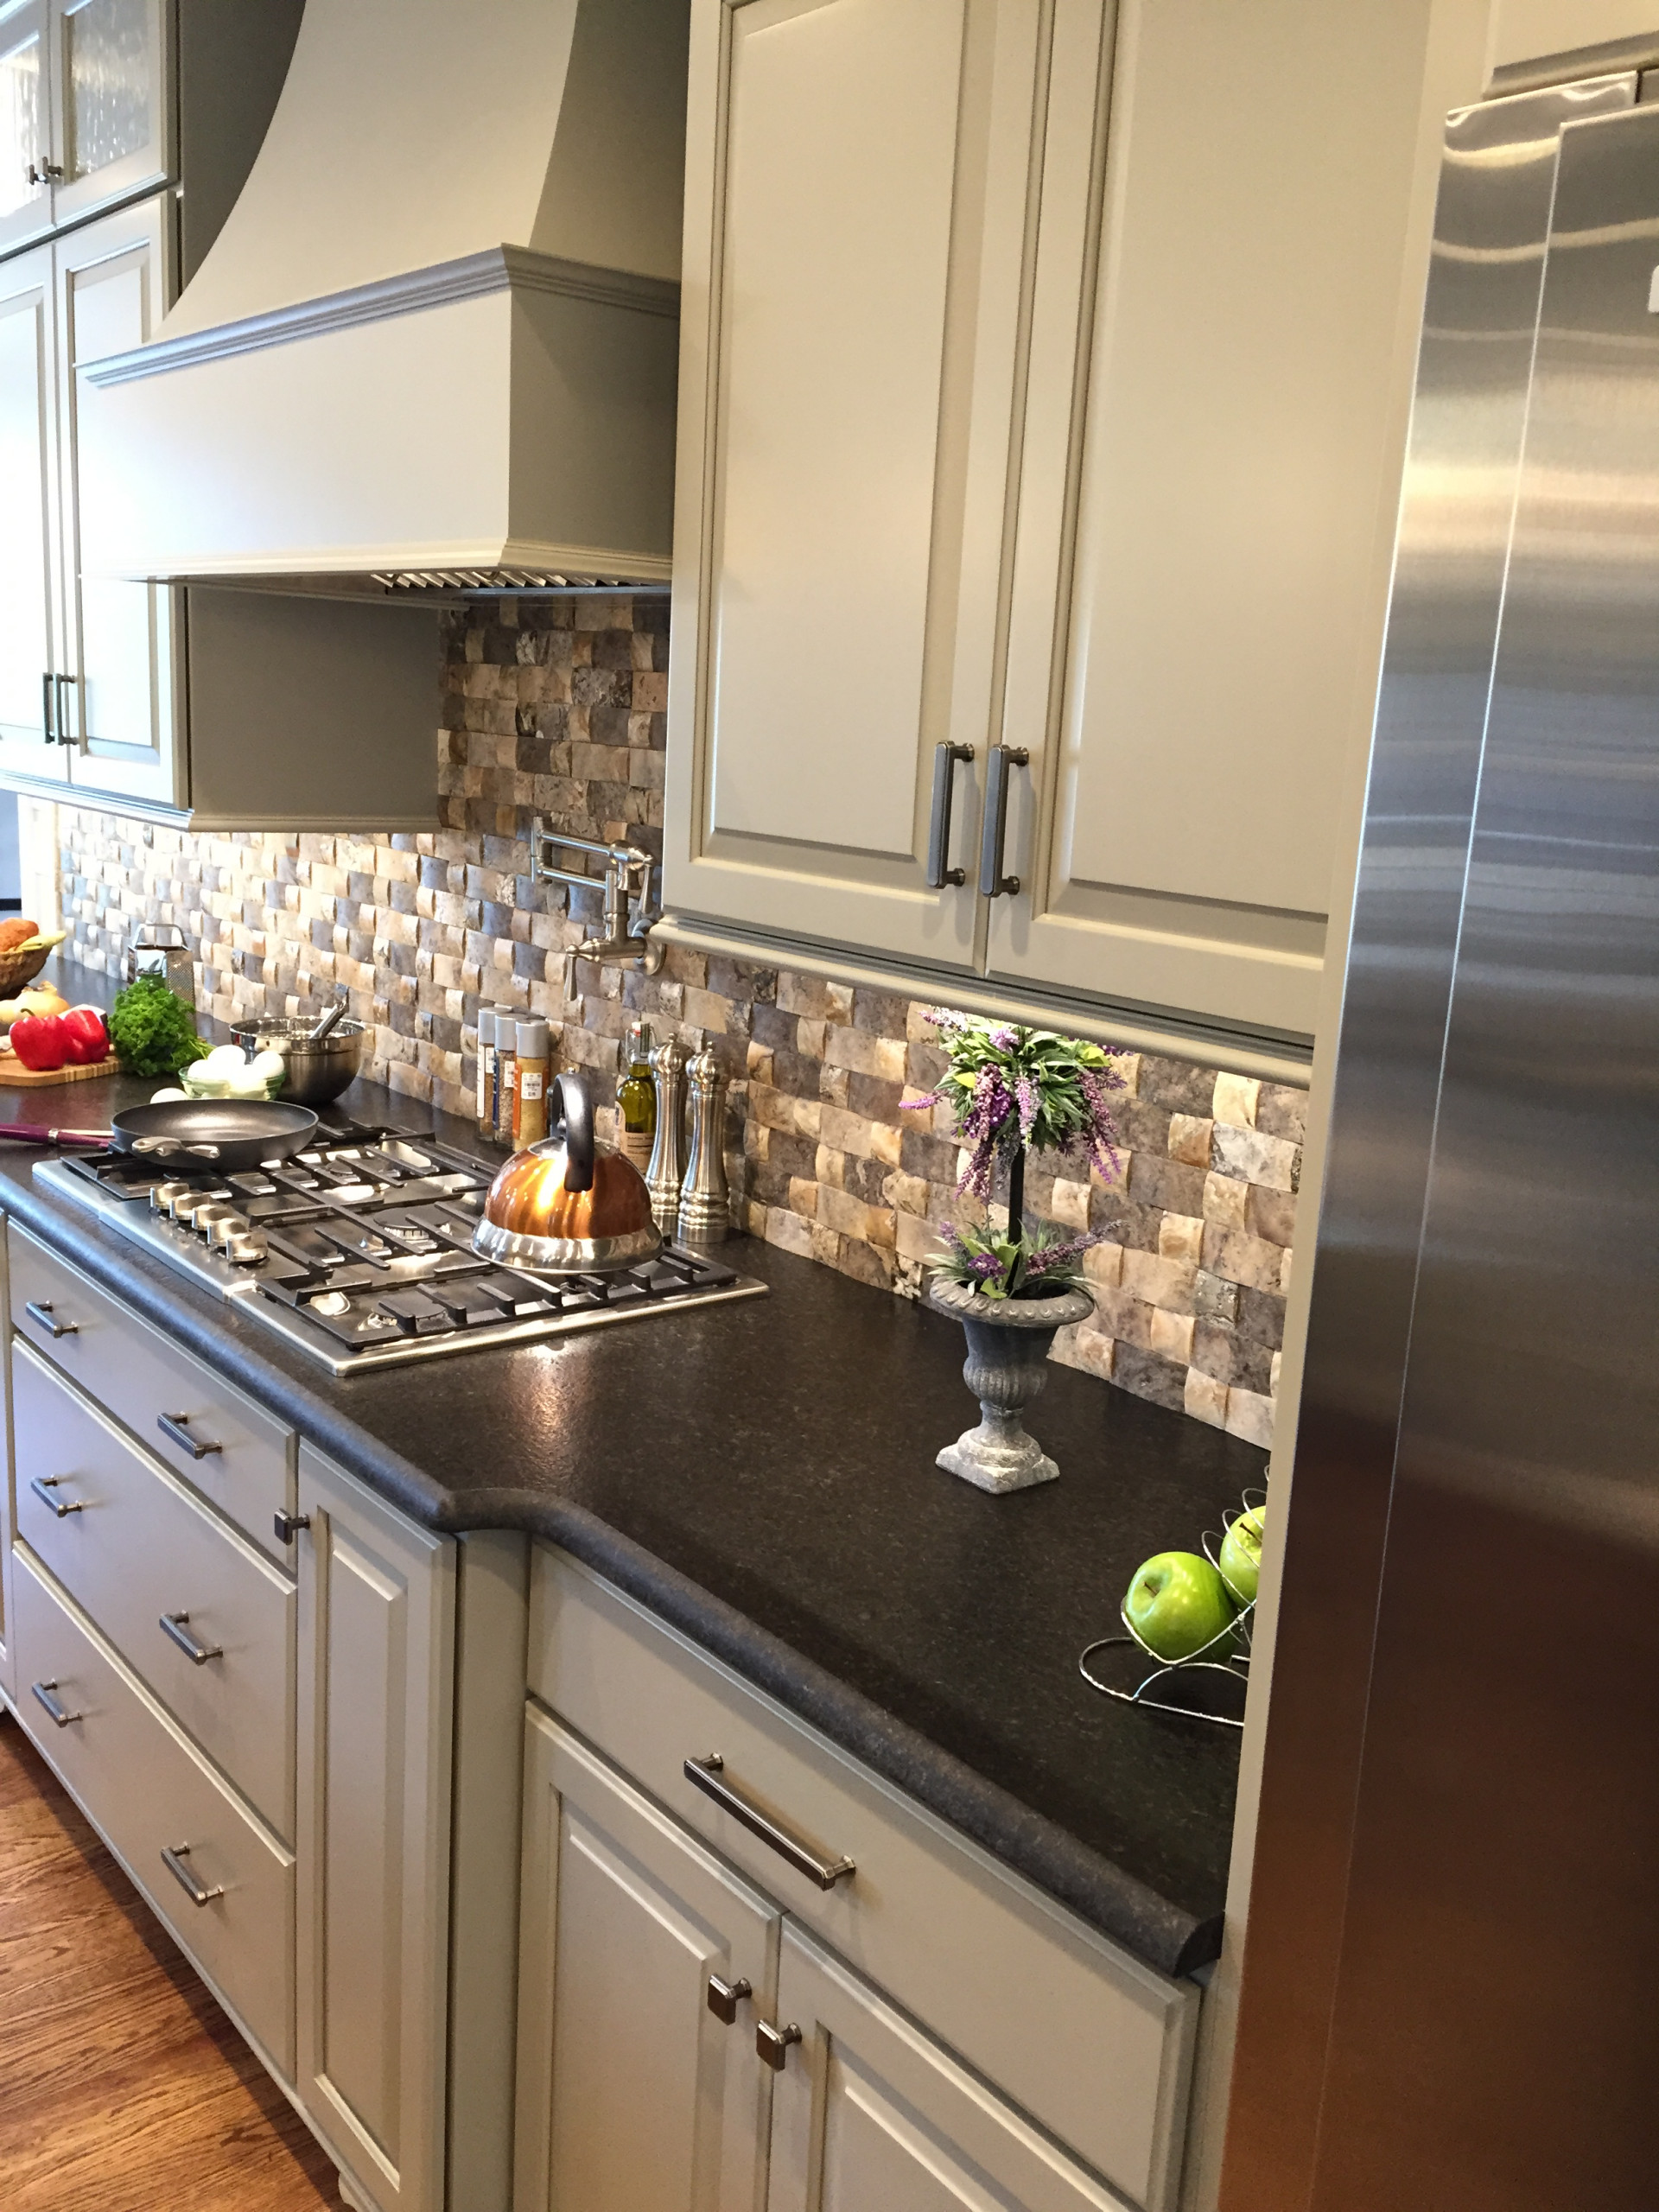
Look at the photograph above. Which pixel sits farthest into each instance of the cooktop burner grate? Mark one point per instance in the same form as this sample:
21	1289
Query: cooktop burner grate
358	1252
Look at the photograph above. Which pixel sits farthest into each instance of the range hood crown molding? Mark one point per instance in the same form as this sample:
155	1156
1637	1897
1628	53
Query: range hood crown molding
498	269
316	423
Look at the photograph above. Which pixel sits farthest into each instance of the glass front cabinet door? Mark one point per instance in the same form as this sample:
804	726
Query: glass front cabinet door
25	127
84	112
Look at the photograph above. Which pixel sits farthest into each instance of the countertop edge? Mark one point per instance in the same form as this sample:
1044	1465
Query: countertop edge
1116	1903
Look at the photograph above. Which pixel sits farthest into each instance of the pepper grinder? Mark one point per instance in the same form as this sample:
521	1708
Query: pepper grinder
705	1202
665	1173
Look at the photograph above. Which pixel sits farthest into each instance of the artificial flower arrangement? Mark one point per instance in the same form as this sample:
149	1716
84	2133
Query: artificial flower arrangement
1014	1091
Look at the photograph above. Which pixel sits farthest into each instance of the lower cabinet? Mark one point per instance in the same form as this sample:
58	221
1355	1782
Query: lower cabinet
685	2046
868	2112
207	1865
646	1963
375	1638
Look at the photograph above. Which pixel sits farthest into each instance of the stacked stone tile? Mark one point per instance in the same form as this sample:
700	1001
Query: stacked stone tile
558	709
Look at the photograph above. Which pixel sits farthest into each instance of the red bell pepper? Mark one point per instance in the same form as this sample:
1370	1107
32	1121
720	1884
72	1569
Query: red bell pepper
39	1041
86	1039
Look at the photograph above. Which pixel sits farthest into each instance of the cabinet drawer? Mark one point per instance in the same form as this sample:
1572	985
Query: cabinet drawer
1096	2046
146	1791
241	1460
133	1546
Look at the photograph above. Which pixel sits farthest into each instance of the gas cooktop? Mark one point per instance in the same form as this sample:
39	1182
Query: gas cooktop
358	1252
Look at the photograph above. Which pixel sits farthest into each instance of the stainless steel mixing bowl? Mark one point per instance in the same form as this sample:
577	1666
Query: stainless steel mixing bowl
316	1073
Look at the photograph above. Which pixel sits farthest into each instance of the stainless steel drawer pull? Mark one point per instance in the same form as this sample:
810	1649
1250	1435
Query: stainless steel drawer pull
40	1310
992	884
772	2043
43	1485
173	1857
705	1775
940	870
289	1525
176	1428
725	1997
54	1710
175	1625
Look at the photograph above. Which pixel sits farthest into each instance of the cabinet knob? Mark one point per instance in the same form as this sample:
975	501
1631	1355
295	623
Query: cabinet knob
289	1525
725	1997
39	173
772	2043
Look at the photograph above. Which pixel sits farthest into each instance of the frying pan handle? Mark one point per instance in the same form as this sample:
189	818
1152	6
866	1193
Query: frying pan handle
38	1133
572	1102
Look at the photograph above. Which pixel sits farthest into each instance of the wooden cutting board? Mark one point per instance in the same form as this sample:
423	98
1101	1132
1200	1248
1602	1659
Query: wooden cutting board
14	1076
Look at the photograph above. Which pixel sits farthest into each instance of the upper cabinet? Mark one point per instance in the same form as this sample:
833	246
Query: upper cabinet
1044	379
85	109
851	327
237	708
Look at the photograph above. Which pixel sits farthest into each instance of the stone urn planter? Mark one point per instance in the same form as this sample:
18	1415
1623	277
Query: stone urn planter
1009	1339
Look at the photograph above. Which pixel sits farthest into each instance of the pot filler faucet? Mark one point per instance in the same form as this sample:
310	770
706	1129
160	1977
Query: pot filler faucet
626	942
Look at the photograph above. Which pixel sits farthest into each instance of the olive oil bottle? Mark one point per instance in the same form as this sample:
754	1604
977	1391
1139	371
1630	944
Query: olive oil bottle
636	1098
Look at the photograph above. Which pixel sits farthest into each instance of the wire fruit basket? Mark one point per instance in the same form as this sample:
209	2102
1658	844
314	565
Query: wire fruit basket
1209	1684
25	962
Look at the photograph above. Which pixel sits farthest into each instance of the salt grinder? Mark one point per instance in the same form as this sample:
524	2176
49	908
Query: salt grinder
665	1173
705	1202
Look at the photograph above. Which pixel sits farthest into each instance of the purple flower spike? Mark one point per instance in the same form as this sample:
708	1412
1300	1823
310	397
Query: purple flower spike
1025	1091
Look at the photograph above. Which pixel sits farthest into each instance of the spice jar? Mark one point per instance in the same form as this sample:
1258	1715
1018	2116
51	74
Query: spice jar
529	1085
486	1071
506	1053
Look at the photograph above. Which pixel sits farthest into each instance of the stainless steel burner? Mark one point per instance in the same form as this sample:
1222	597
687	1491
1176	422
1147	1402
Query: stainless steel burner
358	1253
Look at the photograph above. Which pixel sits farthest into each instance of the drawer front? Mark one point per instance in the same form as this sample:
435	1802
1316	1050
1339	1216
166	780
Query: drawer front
147	1792
1094	2045
225	1445
133	1547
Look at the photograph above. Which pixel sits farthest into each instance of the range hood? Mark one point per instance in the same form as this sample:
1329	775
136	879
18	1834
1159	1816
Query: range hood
438	332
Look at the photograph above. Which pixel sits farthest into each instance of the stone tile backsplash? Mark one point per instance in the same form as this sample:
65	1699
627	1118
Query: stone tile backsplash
558	707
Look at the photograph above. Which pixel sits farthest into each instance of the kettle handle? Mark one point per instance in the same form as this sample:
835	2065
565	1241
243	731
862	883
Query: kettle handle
572	1103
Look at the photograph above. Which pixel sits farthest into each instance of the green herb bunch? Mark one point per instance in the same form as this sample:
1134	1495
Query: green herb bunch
152	1029
1031	1263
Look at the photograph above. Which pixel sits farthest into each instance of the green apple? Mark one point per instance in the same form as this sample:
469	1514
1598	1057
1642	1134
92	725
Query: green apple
1177	1604
1241	1556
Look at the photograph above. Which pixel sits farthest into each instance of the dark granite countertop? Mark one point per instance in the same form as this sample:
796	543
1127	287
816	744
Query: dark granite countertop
762	1476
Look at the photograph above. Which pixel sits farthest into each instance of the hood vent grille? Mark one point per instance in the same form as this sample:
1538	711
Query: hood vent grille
476	582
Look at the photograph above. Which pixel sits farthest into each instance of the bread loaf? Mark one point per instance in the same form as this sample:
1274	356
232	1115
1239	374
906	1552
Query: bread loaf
15	930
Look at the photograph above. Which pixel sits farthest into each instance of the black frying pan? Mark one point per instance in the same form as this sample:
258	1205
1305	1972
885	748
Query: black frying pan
234	1133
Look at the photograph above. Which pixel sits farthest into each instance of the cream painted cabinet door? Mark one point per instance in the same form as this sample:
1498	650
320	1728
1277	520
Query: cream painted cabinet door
8	1500
124	708
375	1674
868	2112
859	179
1207	491
634	2094
30	605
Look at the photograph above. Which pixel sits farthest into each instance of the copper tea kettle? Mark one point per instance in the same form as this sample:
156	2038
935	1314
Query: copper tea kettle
568	1206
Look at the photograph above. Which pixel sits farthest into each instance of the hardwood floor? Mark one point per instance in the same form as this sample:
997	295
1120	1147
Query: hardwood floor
123	2087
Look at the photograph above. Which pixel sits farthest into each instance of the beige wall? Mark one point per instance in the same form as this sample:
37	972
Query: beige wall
1522	30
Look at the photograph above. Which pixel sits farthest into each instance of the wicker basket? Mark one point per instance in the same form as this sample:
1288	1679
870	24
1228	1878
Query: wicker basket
17	968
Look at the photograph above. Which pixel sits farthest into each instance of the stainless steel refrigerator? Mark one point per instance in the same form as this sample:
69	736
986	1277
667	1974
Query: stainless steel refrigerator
1450	1981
